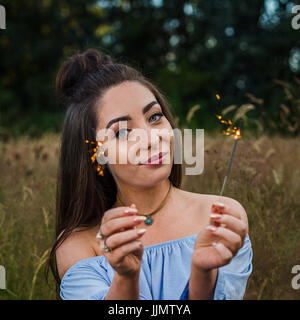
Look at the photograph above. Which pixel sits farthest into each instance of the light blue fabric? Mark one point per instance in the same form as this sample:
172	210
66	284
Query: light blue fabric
164	274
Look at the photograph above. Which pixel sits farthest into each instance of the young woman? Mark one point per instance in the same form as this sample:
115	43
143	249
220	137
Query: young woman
142	237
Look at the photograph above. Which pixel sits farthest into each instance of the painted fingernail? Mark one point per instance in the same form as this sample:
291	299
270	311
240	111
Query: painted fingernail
140	219
211	228
130	210
215	216
141	231
218	207
218	204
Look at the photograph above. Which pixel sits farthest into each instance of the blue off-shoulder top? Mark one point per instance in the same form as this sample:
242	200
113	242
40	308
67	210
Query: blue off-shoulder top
164	274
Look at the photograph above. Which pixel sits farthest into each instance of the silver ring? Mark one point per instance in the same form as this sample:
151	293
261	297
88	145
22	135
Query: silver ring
106	248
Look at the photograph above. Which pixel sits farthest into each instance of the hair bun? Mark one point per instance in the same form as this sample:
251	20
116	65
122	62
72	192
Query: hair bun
73	71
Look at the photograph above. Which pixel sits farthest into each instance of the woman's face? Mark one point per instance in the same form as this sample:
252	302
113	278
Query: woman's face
142	132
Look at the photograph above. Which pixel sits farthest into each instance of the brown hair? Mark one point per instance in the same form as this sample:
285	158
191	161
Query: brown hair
82	195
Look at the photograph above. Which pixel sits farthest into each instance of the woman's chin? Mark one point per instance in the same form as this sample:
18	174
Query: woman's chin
146	176
154	173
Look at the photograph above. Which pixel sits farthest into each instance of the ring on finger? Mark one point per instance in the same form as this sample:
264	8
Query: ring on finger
105	247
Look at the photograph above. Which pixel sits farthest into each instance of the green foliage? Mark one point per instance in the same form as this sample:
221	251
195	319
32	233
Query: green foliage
190	49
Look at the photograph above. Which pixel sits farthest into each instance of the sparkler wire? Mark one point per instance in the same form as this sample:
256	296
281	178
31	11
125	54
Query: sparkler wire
230	160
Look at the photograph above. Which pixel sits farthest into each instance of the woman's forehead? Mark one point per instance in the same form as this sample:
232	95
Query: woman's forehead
123	99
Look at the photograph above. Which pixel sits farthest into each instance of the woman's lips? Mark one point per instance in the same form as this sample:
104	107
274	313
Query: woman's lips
155	160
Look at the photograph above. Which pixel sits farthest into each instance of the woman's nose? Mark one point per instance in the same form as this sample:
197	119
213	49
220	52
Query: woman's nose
153	137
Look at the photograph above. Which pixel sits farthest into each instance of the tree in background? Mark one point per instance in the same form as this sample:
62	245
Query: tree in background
191	49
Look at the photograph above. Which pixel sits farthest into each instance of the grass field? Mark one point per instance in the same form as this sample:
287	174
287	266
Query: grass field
265	179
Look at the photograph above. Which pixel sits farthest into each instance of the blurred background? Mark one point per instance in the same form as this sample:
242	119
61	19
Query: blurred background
246	52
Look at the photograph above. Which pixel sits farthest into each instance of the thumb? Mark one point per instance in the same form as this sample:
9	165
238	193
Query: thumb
224	252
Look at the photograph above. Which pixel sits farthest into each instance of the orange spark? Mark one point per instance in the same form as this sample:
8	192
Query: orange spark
98	143
237	134
228	128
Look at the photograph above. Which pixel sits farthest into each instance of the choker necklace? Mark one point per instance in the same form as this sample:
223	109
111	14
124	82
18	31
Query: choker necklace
149	219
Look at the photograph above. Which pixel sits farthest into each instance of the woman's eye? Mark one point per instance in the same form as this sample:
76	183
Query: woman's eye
123	133
120	134
157	114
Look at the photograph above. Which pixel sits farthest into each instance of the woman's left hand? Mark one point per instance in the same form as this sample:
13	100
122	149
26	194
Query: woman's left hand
220	241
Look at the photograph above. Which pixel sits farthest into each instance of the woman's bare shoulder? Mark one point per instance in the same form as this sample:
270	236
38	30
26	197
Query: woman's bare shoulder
197	199
77	246
205	201
196	204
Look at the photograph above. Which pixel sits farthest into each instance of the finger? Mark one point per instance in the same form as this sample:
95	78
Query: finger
214	219
125	229
224	252
118	212
229	238
218	207
236	225
114	225
121	252
129	213
120	238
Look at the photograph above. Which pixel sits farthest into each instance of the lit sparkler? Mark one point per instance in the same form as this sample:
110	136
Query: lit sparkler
232	130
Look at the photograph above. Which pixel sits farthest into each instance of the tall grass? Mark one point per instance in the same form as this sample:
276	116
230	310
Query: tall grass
27	201
265	179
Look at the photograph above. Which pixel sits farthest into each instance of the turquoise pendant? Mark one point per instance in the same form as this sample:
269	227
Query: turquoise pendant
148	221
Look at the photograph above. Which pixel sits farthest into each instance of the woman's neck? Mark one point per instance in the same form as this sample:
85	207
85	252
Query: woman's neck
146	199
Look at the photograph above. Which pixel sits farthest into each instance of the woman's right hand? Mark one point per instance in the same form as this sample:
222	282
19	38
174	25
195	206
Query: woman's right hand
121	235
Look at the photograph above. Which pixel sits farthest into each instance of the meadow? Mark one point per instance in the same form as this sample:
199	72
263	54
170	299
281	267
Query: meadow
265	179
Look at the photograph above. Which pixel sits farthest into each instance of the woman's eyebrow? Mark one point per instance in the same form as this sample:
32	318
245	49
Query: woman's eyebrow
127	117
